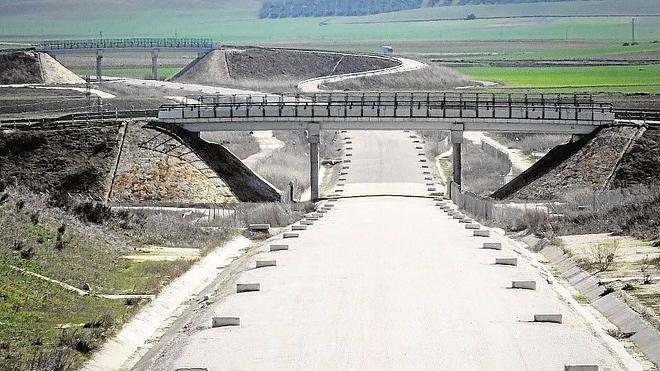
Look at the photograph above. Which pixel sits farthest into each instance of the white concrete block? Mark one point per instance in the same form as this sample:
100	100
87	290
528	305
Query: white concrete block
466	221
349	148
580	367
419	147
431	189
472	226
299	228
346	167
311	218
225	321
341	184
506	261
266	263
291	235
192	369
552	318
526	285
458	216
416	141
421	154
349	154
279	247
481	233
440	204
306	222
428	178
492	246
247	287
347	161
422	160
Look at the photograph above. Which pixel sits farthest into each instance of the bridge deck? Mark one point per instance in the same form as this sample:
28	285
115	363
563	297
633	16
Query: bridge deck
576	114
63	46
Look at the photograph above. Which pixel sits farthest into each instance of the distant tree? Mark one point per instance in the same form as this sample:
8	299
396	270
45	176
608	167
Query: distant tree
471	16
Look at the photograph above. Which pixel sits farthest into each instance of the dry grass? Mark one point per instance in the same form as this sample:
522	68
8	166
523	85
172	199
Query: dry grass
531	143
482	173
633	211
240	143
431	78
275	214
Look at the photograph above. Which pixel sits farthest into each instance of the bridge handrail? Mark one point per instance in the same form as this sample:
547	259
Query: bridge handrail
201	43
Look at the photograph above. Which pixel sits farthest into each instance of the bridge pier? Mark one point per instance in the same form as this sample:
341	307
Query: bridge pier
99	68
154	64
314	138
457	143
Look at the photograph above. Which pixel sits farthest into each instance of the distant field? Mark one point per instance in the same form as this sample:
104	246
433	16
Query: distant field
163	72
242	26
627	79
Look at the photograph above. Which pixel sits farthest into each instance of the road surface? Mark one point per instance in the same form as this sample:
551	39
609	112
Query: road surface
387	283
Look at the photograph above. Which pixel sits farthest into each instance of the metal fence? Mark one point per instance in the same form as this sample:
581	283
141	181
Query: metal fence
137	43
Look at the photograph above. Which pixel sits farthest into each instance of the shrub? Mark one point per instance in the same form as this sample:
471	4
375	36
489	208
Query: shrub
536	221
603	255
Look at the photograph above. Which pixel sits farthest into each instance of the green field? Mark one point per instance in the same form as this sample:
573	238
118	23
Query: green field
628	79
240	26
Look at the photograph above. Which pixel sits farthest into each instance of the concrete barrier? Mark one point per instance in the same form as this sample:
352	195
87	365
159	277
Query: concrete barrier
312	218
472	226
492	246
422	160
431	189
425	166
466	221
321	211
440	204
525	285
341	184
192	369
306	222
266	263
341	179
506	261
279	247
343	173
458	216
247	287
259	227
428	178
291	235
421	154
419	147
349	154
349	142
225	321
347	161
551	318
580	367
349	148
299	228
481	233
345	167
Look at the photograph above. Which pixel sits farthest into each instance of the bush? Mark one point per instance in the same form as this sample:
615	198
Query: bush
604	255
536	221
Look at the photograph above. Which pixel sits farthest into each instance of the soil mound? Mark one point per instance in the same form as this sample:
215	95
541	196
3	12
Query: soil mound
587	164
641	164
272	64
55	73
20	68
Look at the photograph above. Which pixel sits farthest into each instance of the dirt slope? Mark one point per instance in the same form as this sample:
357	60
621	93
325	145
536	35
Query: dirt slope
20	68
583	165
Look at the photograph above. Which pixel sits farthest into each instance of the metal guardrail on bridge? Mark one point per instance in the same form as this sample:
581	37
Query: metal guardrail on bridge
446	107
133	43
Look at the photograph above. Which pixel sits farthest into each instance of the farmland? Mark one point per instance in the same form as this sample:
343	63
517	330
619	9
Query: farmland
631	79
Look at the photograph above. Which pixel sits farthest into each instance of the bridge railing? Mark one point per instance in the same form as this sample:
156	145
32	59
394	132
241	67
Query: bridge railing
197	43
392	105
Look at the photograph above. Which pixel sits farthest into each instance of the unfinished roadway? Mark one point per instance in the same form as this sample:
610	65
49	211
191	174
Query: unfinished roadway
389	283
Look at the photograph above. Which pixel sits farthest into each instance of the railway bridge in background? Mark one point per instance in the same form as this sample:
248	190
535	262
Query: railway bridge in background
152	45
455	112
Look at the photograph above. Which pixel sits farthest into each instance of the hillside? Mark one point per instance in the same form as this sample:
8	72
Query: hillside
326	8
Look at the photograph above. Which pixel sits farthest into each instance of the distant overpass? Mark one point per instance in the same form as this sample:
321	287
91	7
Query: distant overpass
153	45
451	111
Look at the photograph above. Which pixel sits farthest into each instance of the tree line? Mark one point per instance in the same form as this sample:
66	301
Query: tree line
326	8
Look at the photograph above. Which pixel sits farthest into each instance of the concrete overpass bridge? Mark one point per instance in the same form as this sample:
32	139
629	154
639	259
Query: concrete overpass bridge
455	112
152	45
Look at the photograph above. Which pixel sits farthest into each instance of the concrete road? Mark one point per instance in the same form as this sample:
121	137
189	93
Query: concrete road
387	283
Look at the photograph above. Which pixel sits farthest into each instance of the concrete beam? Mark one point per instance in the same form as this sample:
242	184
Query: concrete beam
259	227
299	228
525	285
291	235
551	318
247	287
492	246
507	261
225	321
581	368
265	263
279	247
481	233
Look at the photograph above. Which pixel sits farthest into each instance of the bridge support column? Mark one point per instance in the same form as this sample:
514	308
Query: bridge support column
314	137
99	68
457	144
154	64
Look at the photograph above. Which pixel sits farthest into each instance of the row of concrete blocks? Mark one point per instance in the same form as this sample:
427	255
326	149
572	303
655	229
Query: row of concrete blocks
566	368
522	284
